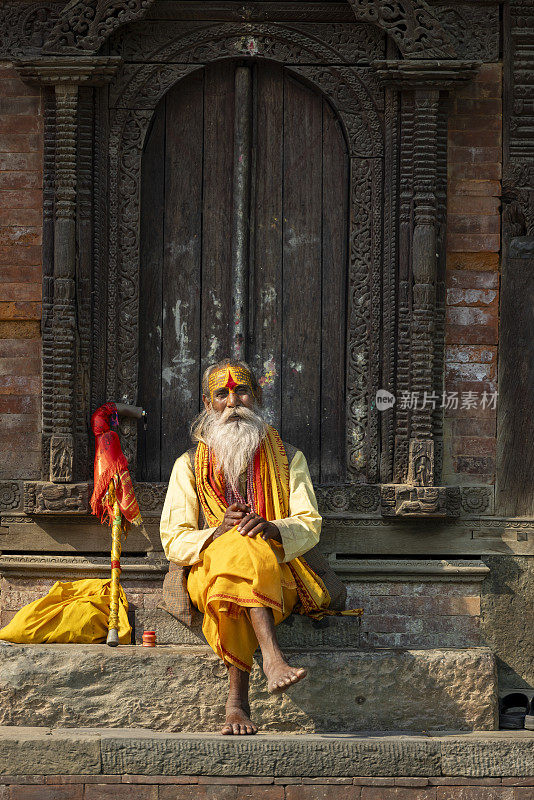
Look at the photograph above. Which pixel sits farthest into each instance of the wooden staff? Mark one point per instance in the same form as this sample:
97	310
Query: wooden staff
116	531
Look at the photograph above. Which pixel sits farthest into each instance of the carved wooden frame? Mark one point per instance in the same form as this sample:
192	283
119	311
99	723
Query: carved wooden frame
134	96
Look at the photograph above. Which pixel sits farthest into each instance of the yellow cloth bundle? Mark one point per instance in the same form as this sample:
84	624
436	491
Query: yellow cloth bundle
72	611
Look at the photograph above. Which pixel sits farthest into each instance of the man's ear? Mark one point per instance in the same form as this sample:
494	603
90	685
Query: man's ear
207	402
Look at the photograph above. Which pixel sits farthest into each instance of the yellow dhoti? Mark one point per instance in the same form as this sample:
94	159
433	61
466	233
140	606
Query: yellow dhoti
237	573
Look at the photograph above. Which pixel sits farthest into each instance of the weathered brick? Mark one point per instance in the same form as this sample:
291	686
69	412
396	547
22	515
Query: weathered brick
19	385
480	90
473	223
210	780
473	465
474	155
20	142
483	170
398	793
489	108
473	261
21	179
467	426
461	781
22	161
411	781
475	242
474	446
373	781
325	792
464	204
19	423
161	779
484	137
120	791
17	404
25	217
17	105
20	291
288	781
469	315
382	623
13	86
9	779
470	354
473	188
21	198
17	123
457	374
60	779
457	296
518	781
19	275
462	332
474	793
19	348
20	329
255	792
19	234
221	792
337	781
523	793
43	792
472	279
470	122
22	310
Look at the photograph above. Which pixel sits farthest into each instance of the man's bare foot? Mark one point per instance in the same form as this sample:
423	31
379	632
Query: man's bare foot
280	676
238	721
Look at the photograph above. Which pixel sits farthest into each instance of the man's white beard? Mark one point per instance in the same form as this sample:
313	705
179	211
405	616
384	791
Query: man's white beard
233	442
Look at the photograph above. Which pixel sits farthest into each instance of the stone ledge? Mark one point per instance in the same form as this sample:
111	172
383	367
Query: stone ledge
295	633
453	757
345	691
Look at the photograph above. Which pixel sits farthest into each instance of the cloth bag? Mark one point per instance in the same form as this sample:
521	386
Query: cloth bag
71	612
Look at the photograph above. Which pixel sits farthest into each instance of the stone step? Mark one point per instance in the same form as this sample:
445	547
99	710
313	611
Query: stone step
295	633
42	751
183	688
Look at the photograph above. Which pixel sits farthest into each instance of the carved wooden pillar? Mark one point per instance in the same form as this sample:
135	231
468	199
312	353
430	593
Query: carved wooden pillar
420	83
424	260
59	369
63	314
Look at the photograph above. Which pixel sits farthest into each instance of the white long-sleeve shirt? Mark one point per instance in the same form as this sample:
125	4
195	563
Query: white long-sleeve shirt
183	540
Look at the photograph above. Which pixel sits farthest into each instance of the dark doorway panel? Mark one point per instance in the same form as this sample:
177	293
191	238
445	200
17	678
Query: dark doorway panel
297	261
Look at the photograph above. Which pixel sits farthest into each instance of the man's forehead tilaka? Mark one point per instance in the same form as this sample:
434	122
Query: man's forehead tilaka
229	377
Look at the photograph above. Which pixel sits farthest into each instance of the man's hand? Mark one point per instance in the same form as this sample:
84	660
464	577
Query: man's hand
233	514
252	525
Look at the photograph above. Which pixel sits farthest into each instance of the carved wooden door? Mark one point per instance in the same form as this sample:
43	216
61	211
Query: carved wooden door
296	256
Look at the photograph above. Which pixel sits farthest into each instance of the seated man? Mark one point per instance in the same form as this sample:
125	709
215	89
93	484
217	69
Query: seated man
240	514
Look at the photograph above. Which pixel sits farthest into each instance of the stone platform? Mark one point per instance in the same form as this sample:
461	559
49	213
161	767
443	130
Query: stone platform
183	688
108	754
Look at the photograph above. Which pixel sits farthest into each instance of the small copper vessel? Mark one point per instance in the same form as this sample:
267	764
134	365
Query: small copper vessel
149	638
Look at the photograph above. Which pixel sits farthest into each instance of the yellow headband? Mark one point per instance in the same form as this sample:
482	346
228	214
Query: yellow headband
229	377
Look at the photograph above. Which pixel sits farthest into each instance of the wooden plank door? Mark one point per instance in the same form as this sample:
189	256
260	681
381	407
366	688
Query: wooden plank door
296	261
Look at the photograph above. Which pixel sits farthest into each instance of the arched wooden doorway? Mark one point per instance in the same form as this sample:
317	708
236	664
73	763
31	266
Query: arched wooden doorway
297	261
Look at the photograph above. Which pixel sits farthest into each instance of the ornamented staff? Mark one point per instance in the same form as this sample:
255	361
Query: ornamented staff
113	498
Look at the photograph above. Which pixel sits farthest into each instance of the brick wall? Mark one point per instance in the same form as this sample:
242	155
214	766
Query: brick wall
473	245
191	787
21	176
417	615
